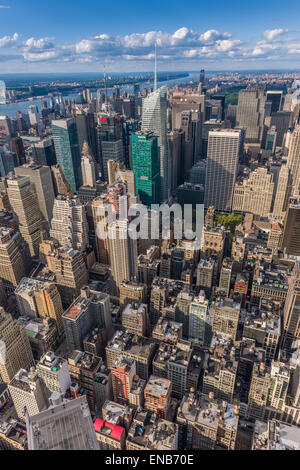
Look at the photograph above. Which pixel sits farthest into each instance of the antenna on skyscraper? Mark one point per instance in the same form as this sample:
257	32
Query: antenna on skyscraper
155	70
105	83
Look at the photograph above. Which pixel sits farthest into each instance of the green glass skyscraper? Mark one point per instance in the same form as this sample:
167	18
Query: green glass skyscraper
146	164
67	151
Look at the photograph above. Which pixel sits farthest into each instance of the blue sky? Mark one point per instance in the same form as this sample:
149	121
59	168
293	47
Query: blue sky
74	36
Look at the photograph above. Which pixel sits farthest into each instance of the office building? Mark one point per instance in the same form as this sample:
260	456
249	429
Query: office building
132	292
146	165
61	185
158	395
14	256
225	315
254	193
251	112
158	434
123	252
26	391
42	179
154	119
69	223
36	298
223	152
275	97
110	436
23	199
67	151
15	351
110	141
43	152
54	373
123	371
206	423
84	368
290	239
66	425
199	321
291	318
138	348
135	319
70	270
88	167
89	311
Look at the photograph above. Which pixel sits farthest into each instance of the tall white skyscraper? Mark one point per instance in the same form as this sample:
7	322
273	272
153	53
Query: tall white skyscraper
155	119
34	115
224	146
88	168
123	252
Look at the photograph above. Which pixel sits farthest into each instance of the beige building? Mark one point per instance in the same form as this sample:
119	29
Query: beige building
24	202
225	314
132	291
282	193
26	390
15	351
258	393
254	194
69	223
135	319
13	256
37	298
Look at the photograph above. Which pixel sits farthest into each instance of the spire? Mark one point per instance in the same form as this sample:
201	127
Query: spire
105	83
85	151
155	70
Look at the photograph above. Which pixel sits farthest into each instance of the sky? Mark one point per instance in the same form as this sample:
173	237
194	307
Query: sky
86	35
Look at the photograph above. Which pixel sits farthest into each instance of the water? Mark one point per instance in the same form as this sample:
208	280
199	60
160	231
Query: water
11	108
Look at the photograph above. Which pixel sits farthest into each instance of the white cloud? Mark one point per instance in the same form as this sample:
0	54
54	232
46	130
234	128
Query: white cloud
8	41
33	44
183	45
271	34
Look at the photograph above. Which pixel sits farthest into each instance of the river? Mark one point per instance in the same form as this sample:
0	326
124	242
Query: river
11	108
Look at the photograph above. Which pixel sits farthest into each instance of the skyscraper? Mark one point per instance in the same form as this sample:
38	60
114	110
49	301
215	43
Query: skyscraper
27	390
67	151
15	350
43	152
155	120
293	160
123	252
146	164
69	224
110	141
66	425
275	97
224	146
42	179
14	256
291	240
24	202
251	112
88	167
291	315
37	298
282	193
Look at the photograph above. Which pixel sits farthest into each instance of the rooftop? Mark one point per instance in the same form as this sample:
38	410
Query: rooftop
158	386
